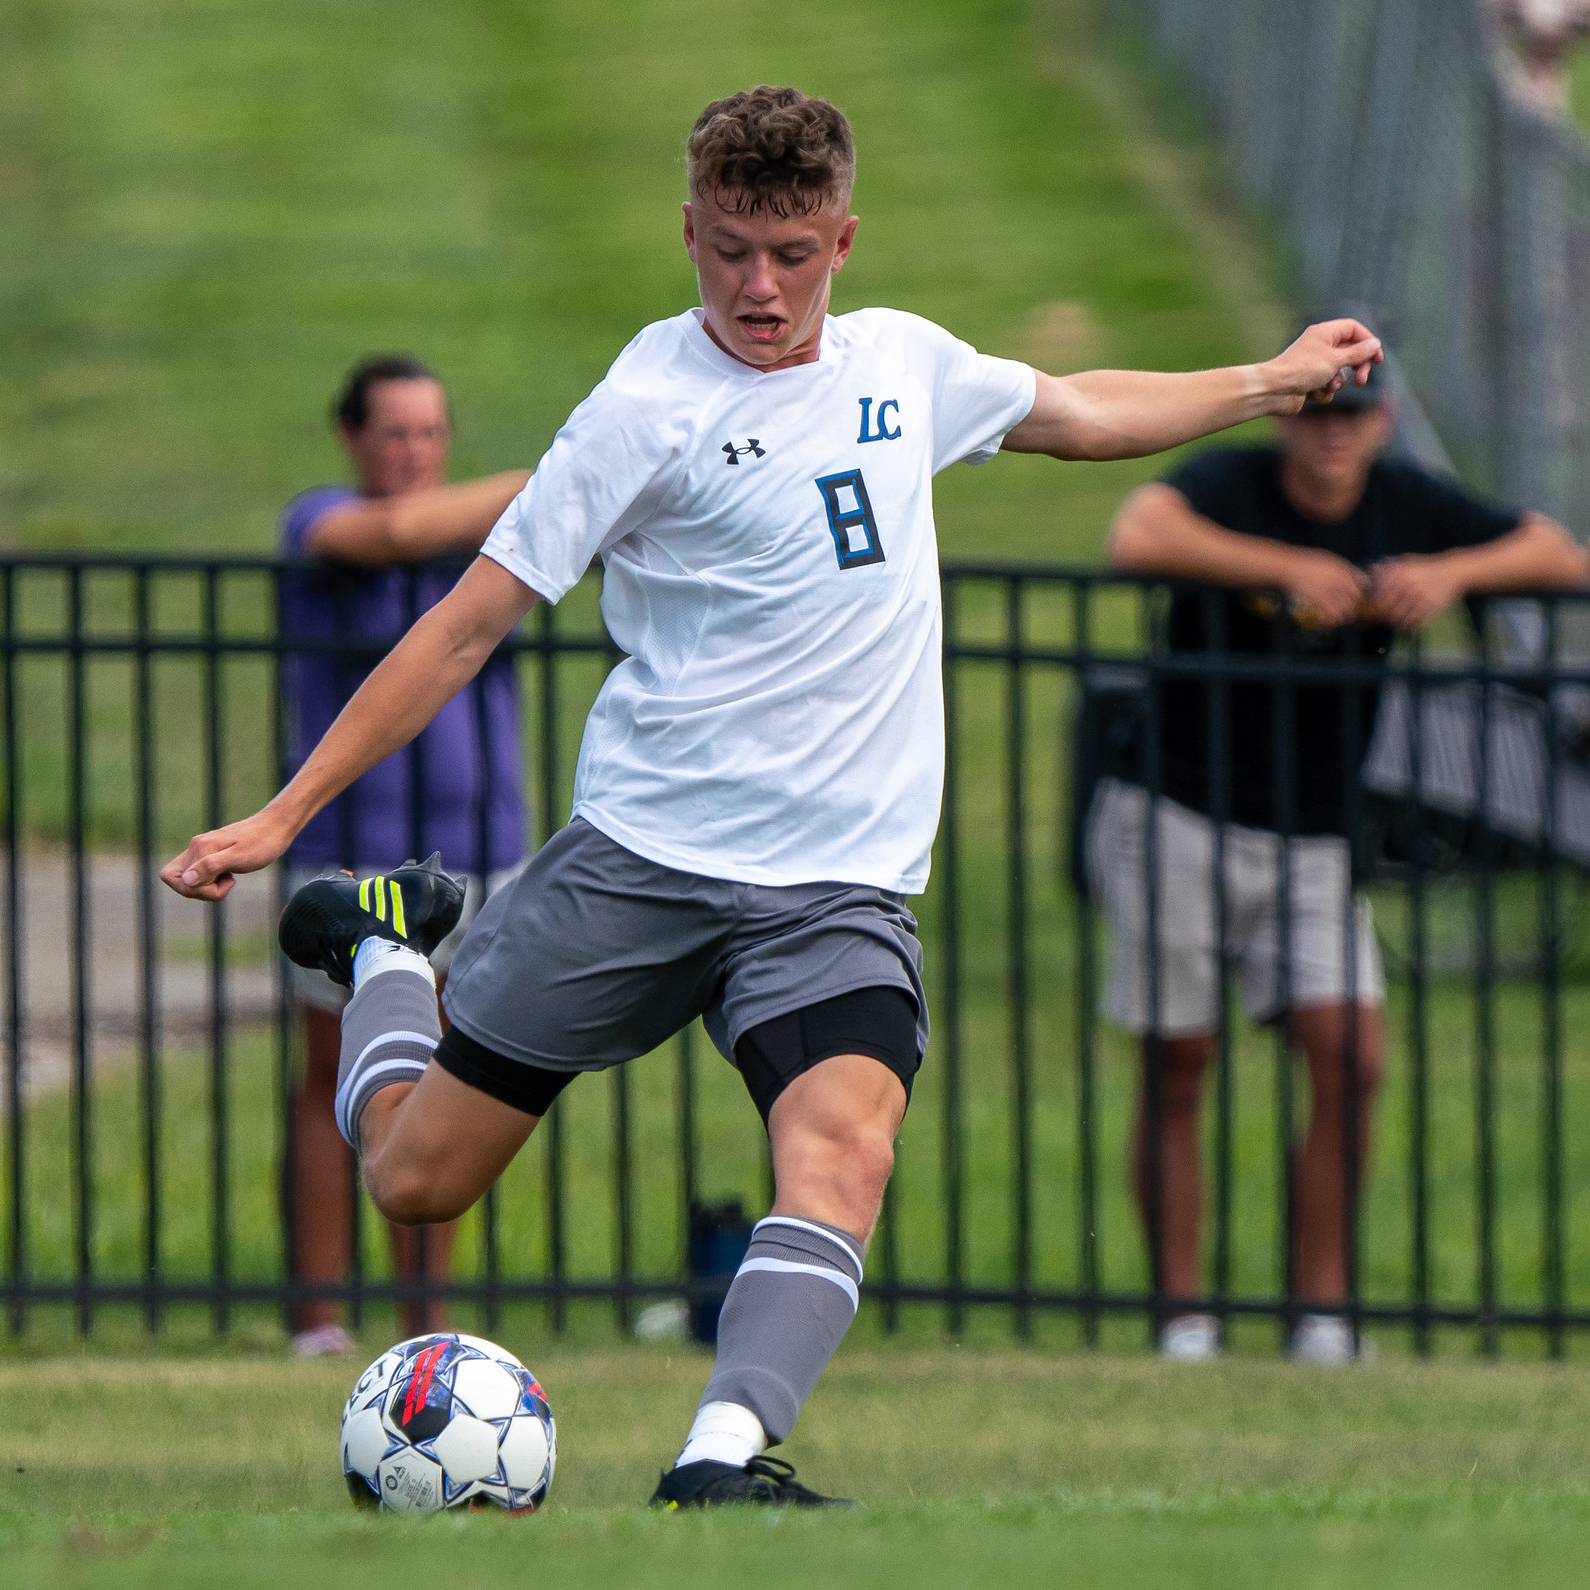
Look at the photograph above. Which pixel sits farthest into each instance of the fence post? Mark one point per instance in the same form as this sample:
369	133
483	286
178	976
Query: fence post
16	1231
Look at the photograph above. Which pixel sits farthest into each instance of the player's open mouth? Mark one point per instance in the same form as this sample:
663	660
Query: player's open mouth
763	328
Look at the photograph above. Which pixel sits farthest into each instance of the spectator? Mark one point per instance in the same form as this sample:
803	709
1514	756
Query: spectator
1360	547
458	785
1535	40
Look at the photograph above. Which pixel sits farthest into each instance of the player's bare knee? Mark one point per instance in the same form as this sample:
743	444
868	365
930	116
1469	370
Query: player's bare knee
865	1157
406	1200
854	1158
409	1191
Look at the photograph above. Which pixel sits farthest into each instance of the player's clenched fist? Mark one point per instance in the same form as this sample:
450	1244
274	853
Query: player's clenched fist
1321	361
208	868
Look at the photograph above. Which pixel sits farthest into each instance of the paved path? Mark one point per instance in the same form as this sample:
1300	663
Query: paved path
183	983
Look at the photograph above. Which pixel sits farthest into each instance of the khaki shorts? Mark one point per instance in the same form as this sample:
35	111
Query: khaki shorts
306	986
1188	967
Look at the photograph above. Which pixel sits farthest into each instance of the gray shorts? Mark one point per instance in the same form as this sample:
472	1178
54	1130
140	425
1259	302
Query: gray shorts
594	955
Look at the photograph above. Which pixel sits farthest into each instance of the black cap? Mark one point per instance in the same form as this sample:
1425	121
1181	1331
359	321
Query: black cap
1350	397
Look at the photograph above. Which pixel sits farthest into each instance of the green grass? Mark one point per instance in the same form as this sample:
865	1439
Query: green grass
211	209
976	1468
1579	86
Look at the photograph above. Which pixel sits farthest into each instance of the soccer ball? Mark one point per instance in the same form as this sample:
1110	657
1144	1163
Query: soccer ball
448	1421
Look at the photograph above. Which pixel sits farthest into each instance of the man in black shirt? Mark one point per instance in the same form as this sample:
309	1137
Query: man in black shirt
1357	547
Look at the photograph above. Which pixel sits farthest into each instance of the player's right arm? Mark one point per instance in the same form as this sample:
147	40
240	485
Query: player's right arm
1158	532
376	532
444	650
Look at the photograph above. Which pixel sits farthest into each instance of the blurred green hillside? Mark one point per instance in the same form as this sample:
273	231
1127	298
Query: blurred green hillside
213	206
1579	86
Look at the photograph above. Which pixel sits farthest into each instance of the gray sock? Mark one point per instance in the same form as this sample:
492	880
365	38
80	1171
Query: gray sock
389	1030
787	1310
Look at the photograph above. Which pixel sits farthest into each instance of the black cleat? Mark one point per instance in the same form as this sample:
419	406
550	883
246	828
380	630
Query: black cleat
326	920
763	1482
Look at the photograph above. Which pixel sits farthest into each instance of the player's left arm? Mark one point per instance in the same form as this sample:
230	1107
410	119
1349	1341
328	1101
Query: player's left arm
1539	555
1104	414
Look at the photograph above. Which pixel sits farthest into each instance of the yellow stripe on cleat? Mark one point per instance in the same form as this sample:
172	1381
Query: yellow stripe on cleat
397	911
380	899
364	895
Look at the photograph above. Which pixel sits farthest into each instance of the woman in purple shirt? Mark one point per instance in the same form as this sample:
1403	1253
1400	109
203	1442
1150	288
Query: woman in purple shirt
458	789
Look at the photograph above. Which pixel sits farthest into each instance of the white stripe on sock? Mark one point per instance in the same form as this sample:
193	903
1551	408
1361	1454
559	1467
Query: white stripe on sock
393	1037
816	1230
356	1079
786	1267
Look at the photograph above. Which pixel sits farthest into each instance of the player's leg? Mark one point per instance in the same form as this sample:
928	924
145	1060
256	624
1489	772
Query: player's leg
592	956
831	1082
426	1252
832	1132
428	1150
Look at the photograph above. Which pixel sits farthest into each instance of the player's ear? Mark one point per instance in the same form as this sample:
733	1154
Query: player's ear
690	230
847	236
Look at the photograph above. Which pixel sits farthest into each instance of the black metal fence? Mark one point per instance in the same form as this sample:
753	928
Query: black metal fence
151	1048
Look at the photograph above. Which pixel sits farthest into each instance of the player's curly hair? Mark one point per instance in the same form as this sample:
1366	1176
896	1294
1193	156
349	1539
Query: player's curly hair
773	149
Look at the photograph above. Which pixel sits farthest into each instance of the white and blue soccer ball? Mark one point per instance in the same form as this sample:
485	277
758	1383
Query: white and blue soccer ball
448	1421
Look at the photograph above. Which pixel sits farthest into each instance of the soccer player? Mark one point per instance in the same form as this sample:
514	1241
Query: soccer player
759	783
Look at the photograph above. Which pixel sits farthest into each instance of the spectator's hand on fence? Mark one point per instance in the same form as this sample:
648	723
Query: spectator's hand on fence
1321	362
1326	590
1410	590
208	868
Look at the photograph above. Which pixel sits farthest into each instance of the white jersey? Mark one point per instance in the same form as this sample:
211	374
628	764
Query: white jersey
771	571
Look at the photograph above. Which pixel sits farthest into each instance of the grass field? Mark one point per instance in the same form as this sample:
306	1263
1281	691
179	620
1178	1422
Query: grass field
976	1469
211	209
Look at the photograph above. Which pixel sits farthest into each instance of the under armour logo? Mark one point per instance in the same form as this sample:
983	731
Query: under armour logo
752	445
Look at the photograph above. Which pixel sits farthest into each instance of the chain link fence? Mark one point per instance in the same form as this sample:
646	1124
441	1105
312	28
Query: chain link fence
1412	182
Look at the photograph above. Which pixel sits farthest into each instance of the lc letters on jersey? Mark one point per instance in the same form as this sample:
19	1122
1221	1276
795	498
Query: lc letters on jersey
770	570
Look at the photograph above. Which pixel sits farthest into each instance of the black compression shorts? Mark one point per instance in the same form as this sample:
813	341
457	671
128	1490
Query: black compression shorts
880	1022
